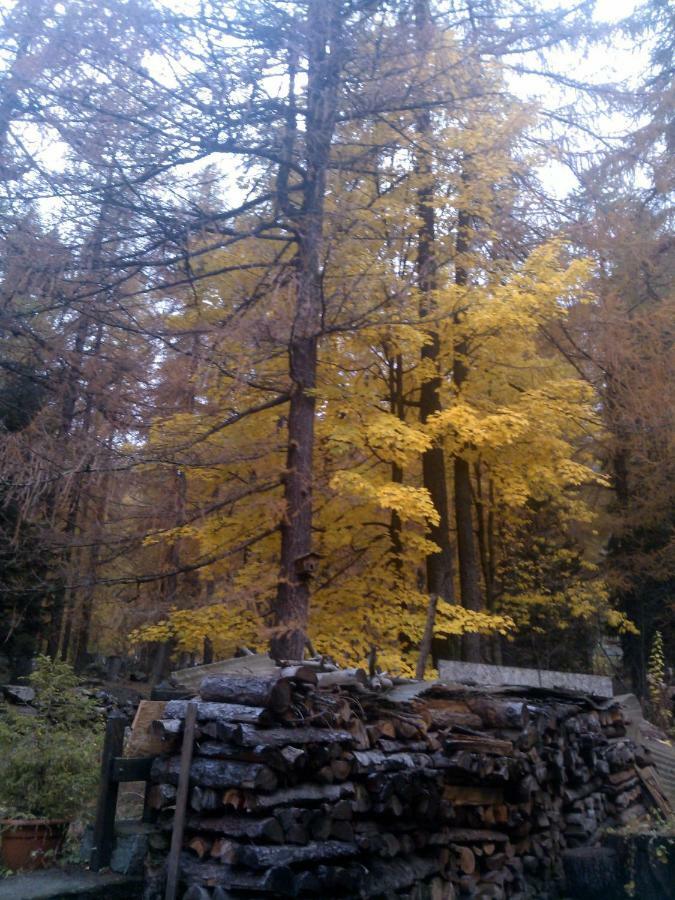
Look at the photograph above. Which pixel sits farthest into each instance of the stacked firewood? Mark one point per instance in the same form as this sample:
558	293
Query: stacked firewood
312	783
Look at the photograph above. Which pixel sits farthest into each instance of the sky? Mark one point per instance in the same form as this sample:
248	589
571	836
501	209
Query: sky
602	64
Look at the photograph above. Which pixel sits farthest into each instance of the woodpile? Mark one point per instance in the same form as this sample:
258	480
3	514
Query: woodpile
309	786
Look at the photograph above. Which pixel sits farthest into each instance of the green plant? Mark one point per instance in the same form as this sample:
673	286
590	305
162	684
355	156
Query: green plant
659	701
49	760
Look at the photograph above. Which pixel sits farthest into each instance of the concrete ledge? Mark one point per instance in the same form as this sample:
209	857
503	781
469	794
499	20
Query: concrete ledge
483	674
57	884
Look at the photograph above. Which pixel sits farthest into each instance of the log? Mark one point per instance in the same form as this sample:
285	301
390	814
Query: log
220	773
473	795
359	734
441	720
282	758
339	880
257	857
478	745
342	677
301	673
248	736
224	849
341	769
203	799
273	693
341	830
475	836
496	714
308	883
367	761
199	845
219	712
161	795
277	881
310	794
388	746
319	825
167	729
267	829
466	859
196	892
386	876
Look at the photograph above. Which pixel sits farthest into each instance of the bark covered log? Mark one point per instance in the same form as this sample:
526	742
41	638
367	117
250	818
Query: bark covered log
257	857
271	693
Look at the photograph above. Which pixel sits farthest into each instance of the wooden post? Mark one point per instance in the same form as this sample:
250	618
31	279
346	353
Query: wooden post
181	802
104	827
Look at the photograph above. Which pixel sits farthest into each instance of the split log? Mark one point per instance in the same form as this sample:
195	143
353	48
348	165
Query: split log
466	859
272	693
359	735
199	845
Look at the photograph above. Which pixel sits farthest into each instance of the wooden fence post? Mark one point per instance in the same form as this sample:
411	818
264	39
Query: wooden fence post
181	802
104	826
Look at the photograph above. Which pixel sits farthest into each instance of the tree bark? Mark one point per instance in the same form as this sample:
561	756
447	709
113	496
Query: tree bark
397	408
291	610
469	575
438	564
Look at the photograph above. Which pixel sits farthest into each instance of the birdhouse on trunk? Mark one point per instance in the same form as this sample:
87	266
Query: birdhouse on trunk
307	565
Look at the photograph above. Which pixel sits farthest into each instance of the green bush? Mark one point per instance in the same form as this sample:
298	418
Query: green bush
49	761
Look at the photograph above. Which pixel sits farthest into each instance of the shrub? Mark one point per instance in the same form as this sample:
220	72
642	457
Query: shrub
49	761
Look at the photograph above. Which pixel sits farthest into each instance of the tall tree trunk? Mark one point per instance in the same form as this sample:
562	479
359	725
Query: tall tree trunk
291	610
397	408
469	574
438	564
92	261
86	607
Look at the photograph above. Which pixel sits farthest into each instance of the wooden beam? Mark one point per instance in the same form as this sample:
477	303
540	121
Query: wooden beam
181	802
104	826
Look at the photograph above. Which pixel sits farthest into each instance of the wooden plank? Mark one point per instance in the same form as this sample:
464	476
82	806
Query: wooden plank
143	741
257	664
484	674
650	780
104	826
181	802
